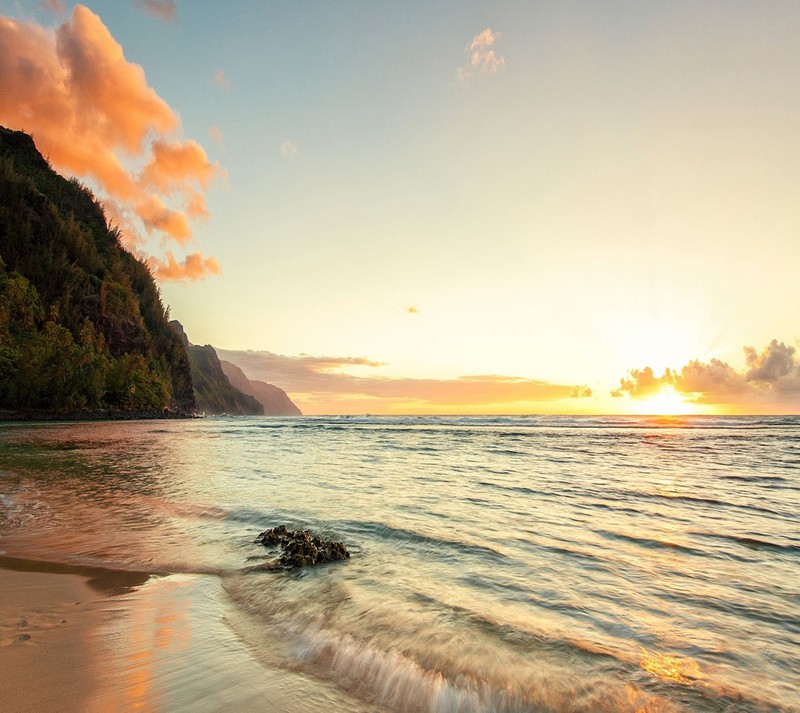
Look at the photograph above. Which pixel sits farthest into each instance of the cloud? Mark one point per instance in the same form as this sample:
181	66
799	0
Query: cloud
481	58
216	135
771	377
326	384
714	377
772	365
57	7
196	207
288	148
156	216
641	383
165	10
220	79
93	114
193	267
174	164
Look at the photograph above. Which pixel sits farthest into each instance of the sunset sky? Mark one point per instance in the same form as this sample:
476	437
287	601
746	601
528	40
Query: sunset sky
486	207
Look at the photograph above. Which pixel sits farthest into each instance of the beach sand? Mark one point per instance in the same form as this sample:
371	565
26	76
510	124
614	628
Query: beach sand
77	639
44	622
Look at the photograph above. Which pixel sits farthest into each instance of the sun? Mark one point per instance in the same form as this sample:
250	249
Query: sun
667	402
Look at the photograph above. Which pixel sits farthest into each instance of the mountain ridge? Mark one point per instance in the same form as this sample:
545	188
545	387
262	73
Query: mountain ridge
222	387
276	401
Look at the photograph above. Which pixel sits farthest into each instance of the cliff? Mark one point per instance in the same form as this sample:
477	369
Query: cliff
213	392
275	401
82	326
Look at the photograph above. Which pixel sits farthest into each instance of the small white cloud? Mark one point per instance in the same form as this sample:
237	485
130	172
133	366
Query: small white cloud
288	148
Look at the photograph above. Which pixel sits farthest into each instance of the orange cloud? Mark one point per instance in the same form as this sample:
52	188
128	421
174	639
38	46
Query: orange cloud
481	56
771	379
108	94
174	164
162	9
93	114
193	267
220	79
196	207
641	383
216	135
156	216
323	386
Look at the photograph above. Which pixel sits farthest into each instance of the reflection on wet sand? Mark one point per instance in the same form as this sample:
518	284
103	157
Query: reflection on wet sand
104	641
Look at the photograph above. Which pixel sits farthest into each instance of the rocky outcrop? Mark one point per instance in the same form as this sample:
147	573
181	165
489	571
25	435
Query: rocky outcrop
300	548
275	400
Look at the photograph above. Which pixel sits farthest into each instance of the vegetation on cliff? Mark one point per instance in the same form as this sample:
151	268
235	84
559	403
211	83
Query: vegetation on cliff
221	387
213	391
82	325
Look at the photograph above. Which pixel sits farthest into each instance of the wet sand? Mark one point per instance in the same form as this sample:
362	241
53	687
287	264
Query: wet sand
76	639
44	622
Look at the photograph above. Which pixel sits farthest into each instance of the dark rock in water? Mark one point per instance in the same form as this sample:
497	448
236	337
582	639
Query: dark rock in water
301	548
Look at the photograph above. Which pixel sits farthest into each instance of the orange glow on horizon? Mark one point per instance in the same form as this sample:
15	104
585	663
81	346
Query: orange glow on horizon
668	402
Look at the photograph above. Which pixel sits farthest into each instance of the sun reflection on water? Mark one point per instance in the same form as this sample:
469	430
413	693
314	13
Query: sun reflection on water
677	669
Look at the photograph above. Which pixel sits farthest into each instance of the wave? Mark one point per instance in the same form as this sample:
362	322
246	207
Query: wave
493	668
755	478
473	665
400	683
698	500
401	535
753	543
651	543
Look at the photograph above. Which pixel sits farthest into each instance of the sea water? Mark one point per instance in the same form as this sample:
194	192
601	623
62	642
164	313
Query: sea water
498	564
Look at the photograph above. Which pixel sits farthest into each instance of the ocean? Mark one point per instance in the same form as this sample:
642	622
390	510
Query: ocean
558	564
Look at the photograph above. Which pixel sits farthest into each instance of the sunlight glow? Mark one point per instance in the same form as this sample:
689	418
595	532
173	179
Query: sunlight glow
667	402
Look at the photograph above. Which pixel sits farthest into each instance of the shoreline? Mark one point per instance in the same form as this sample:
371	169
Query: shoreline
44	416
94	640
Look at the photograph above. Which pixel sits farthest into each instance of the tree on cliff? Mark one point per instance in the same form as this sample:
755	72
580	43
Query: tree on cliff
82	325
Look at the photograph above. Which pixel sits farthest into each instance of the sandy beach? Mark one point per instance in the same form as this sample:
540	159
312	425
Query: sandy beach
92	640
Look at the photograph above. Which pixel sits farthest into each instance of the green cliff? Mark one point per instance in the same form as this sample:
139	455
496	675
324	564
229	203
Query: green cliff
82	326
213	392
276	401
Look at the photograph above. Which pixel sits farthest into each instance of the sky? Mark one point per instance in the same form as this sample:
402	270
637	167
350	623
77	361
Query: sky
446	207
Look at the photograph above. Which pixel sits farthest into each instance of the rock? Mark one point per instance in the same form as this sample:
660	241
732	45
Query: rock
301	548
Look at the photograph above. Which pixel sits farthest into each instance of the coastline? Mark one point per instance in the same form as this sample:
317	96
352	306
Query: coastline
92	640
43	415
